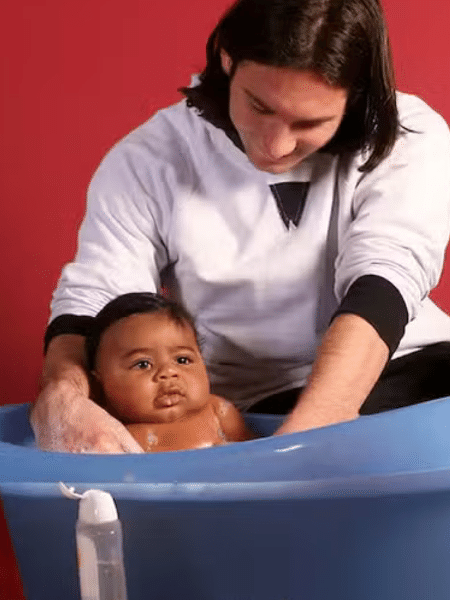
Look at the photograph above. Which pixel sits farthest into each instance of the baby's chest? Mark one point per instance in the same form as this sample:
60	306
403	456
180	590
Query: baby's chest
201	431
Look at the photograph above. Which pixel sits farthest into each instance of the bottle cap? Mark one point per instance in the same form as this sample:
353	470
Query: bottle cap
96	506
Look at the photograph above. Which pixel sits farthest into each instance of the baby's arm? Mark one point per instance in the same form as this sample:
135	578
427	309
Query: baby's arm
231	421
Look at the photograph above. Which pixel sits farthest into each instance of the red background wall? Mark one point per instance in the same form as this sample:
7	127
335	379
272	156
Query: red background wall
76	77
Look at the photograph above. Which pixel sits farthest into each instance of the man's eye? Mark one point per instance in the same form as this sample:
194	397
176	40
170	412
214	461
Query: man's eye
183	360
261	110
142	364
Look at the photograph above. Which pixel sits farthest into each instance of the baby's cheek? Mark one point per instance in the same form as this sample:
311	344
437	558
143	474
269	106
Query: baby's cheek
127	403
198	386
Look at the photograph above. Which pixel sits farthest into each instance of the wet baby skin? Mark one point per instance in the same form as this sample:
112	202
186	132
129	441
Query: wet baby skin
153	379
216	424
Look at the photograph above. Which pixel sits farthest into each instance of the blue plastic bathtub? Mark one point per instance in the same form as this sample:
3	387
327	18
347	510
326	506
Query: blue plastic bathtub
357	511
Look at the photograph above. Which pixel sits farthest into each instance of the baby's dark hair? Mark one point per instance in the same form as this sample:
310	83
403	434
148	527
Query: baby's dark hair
132	304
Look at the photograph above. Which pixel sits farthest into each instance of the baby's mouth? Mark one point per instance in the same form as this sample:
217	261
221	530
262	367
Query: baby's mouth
169	398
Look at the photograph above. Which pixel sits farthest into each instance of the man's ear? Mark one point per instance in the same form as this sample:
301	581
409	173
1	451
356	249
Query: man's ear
226	61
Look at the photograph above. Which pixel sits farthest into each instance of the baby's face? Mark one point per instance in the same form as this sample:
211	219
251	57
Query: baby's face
151	369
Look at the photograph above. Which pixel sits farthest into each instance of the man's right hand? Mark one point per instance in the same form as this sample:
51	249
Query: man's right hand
63	418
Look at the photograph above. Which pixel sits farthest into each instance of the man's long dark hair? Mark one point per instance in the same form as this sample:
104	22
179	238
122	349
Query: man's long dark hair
344	41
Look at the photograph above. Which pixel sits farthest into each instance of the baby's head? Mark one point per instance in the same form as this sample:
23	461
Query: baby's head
144	353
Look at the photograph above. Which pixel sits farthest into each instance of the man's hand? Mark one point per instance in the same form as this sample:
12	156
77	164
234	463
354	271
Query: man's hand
63	417
65	420
349	362
294	423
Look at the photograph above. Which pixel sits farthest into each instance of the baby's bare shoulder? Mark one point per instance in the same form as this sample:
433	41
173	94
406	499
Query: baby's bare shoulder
231	420
222	407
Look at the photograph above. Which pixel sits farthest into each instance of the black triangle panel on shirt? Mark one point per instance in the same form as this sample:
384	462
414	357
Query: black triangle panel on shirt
290	198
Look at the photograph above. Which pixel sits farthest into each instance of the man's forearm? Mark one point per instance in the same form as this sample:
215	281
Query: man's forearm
65	360
350	360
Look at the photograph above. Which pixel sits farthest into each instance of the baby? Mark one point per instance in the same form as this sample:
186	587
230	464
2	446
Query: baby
147	370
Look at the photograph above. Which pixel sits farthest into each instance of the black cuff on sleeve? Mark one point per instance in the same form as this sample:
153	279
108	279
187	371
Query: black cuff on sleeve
67	324
379	302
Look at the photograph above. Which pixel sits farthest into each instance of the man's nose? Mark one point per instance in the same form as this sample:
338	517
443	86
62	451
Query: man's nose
278	141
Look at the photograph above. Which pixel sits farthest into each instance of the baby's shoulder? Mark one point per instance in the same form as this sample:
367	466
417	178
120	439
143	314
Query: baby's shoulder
231	421
221	406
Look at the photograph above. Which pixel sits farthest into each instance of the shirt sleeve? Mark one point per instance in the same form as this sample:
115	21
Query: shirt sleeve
122	243
75	324
378	302
397	221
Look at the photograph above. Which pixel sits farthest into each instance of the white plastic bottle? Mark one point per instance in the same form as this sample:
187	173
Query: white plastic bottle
99	546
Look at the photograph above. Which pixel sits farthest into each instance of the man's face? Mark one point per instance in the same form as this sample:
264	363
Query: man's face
151	369
282	115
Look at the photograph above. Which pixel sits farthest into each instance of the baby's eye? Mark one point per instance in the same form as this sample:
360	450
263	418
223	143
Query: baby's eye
142	364
184	360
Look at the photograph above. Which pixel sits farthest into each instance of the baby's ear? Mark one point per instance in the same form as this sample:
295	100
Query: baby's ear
94	375
96	389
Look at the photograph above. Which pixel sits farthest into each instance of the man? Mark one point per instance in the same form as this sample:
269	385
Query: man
285	200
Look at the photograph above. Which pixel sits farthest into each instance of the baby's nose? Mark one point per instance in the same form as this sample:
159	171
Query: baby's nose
167	372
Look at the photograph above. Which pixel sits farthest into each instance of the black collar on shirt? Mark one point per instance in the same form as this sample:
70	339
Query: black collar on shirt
289	196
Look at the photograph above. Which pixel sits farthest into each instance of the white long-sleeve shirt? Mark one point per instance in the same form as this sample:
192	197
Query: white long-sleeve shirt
177	191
